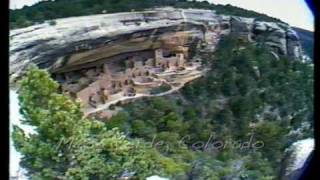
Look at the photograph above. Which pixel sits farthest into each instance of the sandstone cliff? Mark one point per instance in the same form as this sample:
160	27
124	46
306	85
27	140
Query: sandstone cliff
78	42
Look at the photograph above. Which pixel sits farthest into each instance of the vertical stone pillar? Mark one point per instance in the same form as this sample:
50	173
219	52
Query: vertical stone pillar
180	60
106	69
158	56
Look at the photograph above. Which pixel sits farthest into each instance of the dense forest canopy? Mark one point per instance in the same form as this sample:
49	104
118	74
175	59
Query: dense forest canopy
247	95
48	10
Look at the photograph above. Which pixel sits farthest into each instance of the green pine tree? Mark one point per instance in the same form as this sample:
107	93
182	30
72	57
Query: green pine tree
68	146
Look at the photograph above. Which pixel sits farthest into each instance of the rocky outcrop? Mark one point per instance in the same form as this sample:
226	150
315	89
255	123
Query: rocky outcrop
296	158
279	37
82	42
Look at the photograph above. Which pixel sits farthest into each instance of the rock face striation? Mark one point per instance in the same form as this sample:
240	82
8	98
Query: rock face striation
279	37
81	41
102	59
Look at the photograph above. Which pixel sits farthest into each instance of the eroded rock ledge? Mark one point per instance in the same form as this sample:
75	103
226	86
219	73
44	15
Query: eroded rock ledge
103	59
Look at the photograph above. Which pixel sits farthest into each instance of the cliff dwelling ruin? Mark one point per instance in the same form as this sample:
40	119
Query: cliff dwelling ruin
129	75
105	59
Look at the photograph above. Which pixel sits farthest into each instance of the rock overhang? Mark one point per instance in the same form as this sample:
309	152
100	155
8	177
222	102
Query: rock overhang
44	44
51	46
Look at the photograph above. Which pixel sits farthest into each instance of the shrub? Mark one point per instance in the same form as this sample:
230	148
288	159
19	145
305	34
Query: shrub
52	23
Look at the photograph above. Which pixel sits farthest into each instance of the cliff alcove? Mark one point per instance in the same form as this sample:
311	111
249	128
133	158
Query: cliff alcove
105	59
